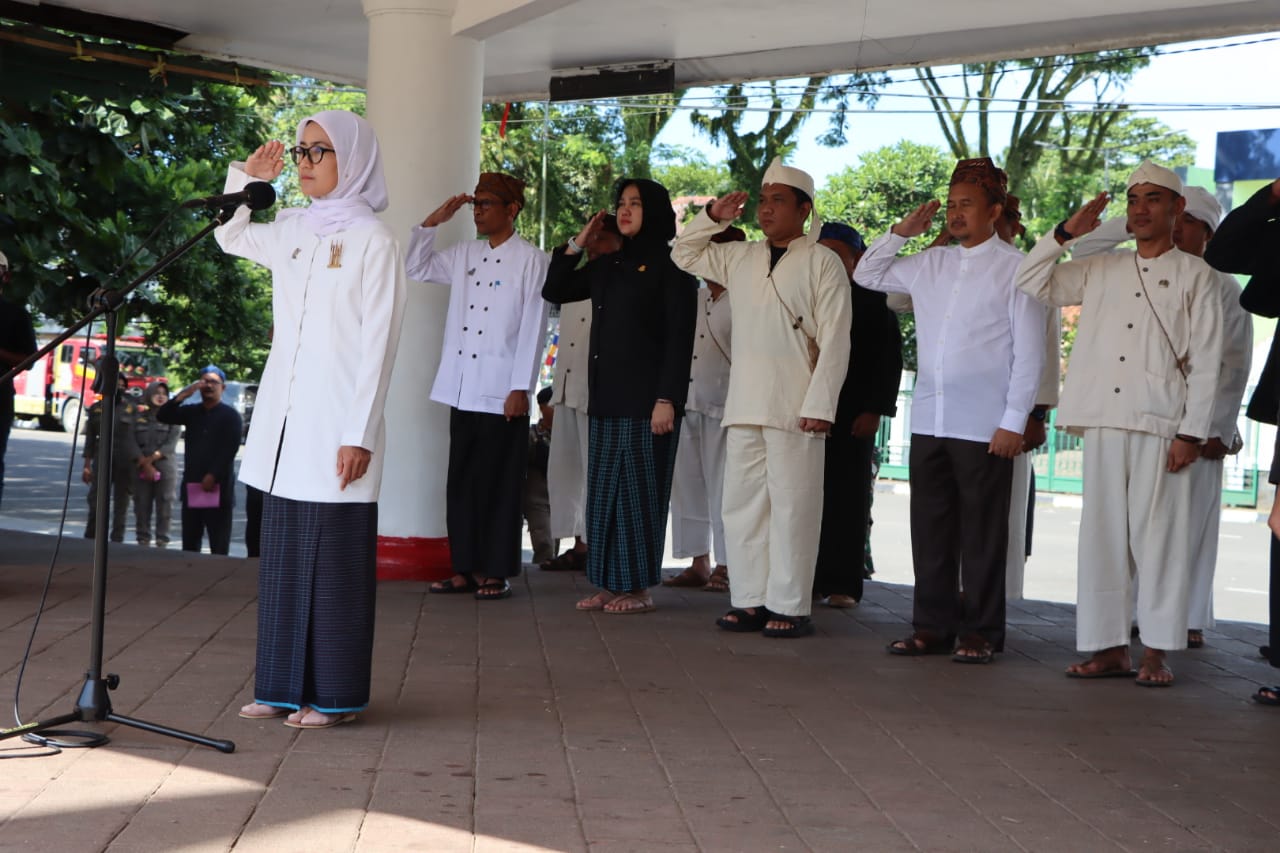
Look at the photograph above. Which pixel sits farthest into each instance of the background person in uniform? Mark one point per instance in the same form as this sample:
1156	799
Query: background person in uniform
870	392
211	440
155	466
535	504
494	334
124	473
17	341
698	486
567	463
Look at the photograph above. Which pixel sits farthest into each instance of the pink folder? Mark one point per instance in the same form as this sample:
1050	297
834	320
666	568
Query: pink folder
198	498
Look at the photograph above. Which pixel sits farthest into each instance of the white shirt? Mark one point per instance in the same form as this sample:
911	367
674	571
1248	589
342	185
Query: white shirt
709	379
336	332
569	386
497	320
1123	371
980	343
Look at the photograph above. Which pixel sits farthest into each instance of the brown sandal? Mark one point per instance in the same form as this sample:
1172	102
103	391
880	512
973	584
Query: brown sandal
719	580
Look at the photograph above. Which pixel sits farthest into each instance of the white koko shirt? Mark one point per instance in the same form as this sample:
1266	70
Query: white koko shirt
497	319
709	370
569	386
337	303
980	343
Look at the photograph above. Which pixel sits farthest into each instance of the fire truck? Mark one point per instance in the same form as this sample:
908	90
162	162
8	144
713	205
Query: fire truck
57	386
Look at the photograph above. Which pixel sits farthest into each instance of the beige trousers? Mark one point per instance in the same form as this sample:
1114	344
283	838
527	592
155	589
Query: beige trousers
1206	514
567	473
1019	494
697	489
1136	522
772	516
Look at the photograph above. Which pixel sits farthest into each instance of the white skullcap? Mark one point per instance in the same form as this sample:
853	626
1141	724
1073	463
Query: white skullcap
1203	206
1150	173
777	173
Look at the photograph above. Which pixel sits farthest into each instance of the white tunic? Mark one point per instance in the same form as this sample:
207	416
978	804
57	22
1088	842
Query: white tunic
497	320
709	379
1123	372
771	383
981	342
569	385
336	329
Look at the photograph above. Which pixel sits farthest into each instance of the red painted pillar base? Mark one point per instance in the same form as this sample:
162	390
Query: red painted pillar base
413	559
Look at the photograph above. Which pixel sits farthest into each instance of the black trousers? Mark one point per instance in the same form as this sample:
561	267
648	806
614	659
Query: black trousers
959	537
488	456
1275	601
253	521
6	421
846	514
217	521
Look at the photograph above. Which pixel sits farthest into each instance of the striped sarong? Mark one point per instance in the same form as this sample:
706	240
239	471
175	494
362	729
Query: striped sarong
628	491
316	589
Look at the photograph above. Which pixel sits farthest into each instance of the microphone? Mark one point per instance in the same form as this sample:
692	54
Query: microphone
258	196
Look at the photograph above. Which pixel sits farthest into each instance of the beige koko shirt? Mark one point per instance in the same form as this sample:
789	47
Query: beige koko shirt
770	383
1123	372
569	385
712	348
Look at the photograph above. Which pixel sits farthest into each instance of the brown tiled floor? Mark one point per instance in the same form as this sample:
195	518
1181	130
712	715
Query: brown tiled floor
523	725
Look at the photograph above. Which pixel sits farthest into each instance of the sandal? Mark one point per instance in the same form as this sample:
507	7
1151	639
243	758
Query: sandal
571	560
719	580
1267	696
838	600
492	589
596	601
327	721
256	713
973	649
797	626
1146	671
744	622
1195	638
452	587
629	604
918	644
687	578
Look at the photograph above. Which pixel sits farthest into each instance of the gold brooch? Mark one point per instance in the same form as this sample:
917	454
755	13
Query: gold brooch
643	267
335	256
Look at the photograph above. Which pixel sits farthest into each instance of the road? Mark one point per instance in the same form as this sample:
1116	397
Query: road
37	471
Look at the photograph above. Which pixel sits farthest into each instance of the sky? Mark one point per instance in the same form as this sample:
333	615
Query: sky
1213	75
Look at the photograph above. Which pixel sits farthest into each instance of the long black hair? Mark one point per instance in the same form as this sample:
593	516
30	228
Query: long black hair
658	222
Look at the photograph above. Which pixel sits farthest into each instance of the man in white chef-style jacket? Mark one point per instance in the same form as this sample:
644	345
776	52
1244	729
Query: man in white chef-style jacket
494	334
1141	387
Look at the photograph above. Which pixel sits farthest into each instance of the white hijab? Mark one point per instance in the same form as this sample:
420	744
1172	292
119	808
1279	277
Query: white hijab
361	191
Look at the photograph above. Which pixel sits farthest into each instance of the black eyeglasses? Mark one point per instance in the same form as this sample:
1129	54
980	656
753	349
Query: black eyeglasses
314	154
485	203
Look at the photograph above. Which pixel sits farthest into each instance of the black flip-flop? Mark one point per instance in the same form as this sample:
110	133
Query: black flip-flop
451	588
985	652
1263	699
1106	673
797	626
503	590
746	622
909	647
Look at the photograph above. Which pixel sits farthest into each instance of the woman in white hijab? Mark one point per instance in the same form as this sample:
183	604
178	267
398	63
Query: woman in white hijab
316	449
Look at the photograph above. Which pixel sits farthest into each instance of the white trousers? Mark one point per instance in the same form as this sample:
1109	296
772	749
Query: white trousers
1020	493
772	516
697	488
1206	514
567	473
1136	522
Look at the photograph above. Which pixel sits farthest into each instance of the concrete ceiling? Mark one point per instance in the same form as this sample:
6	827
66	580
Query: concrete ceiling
710	41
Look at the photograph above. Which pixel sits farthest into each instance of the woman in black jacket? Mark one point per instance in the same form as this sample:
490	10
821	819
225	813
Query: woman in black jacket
1248	243
643	315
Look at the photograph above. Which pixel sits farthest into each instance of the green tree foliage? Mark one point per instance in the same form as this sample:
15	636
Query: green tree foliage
85	178
884	187
1037	88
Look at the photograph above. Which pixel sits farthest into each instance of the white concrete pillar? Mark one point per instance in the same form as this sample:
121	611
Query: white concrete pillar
424	95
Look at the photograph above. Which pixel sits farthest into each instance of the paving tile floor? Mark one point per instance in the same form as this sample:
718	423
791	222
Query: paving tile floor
523	725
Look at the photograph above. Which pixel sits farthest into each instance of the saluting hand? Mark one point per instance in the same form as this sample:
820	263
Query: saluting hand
590	230
918	221
728	207
445	212
267	162
1087	218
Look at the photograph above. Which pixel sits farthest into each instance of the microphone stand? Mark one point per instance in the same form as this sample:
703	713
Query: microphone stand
94	702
